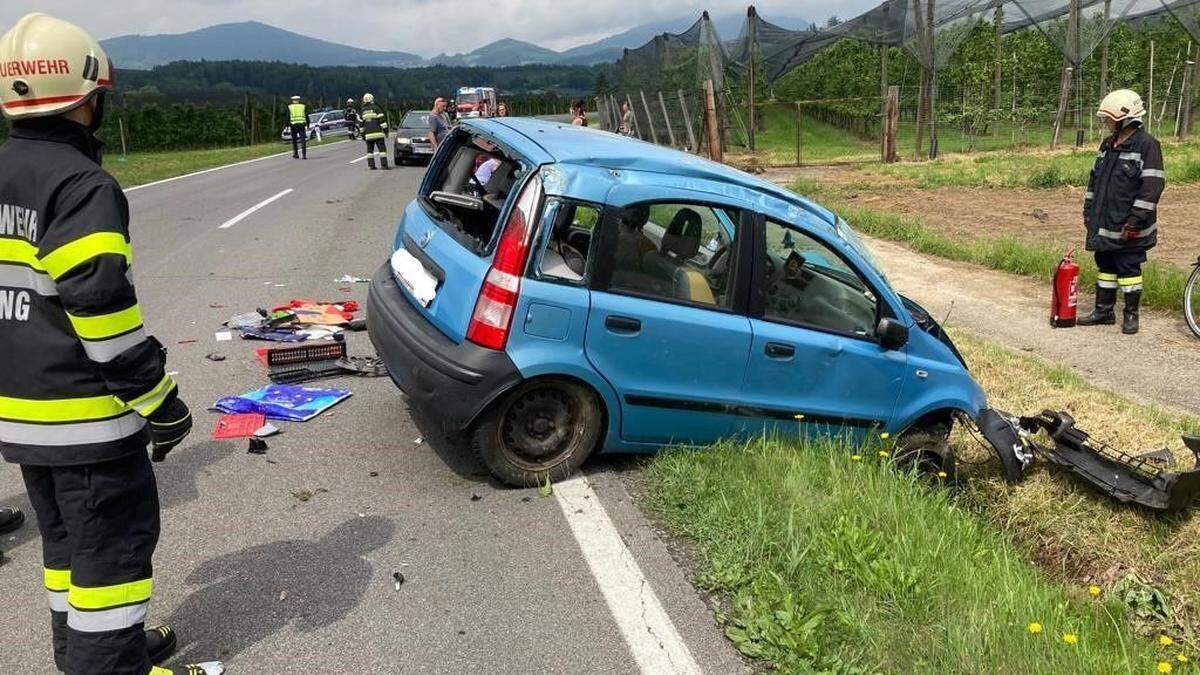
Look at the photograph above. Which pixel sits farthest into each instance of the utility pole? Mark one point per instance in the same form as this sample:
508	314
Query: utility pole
752	37
998	26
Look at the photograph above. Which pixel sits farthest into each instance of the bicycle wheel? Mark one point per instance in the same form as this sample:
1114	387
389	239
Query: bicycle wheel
1191	300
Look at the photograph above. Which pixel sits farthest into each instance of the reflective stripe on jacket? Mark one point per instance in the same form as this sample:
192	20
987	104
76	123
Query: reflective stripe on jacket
297	113
374	124
1124	188
80	373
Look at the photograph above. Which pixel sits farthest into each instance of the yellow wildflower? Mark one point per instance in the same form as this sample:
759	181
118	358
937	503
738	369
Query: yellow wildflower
1181	657
1070	638
883	453
855	458
798	417
941	474
1164	666
1165	640
1094	591
885	435
1034	628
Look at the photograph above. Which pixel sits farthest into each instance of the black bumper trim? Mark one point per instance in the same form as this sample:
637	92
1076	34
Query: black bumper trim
748	411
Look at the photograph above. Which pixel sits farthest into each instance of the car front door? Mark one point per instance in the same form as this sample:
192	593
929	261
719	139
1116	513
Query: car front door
815	366
665	326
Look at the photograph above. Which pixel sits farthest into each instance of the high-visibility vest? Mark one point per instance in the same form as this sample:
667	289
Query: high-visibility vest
298	113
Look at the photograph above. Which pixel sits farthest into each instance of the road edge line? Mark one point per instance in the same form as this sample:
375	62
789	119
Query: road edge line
652	638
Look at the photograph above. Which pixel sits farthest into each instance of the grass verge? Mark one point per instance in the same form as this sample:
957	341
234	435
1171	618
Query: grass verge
828	563
137	168
1163	285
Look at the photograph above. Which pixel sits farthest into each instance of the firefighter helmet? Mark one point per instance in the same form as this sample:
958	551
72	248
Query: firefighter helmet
1123	106
368	98
350	101
295	98
49	66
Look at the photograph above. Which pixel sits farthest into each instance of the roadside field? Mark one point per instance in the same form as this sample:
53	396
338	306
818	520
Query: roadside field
138	168
818	557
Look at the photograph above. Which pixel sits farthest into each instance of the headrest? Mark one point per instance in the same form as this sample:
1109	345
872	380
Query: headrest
682	237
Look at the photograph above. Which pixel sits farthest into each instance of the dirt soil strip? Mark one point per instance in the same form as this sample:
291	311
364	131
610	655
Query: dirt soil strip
1158	365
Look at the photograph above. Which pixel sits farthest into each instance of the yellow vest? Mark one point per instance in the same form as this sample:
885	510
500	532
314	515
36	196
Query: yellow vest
298	113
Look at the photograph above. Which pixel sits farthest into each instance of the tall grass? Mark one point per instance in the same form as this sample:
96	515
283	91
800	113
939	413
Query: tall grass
829	563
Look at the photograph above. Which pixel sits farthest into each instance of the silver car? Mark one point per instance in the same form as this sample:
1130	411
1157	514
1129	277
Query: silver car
412	138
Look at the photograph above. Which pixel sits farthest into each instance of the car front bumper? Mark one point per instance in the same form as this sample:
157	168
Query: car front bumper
452	383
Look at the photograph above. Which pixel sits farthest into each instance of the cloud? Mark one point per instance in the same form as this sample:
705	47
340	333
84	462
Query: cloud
425	27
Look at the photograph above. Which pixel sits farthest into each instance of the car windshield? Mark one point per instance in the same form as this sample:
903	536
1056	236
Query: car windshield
415	120
848	235
468	97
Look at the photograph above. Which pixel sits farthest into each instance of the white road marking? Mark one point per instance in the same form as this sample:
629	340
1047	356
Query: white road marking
218	168
355	161
241	216
652	639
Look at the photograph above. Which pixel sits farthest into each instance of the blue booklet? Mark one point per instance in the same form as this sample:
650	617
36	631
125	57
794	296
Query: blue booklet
284	402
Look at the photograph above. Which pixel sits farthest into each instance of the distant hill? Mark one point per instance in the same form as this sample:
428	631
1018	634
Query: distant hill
255	41
248	41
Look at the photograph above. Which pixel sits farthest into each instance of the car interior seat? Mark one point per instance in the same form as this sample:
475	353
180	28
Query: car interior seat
680	242
691	285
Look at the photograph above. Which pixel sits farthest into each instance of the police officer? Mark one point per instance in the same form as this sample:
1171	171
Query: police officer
351	117
1120	207
298	118
83	394
374	130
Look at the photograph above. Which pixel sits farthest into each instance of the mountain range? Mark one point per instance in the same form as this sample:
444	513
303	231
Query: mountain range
256	41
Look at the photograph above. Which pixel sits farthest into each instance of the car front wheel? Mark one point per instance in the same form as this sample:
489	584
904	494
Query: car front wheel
541	430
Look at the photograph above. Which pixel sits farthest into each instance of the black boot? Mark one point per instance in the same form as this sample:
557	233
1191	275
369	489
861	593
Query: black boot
160	643
10	519
1102	315
1133	300
384	160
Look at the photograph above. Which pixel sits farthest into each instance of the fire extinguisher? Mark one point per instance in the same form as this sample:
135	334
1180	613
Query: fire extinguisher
1064	297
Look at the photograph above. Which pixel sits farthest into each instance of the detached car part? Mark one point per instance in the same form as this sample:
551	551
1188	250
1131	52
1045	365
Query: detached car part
1144	479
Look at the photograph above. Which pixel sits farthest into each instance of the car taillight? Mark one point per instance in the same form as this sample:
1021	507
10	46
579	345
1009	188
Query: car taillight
492	318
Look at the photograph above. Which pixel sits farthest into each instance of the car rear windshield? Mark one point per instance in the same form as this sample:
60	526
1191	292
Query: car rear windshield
470	190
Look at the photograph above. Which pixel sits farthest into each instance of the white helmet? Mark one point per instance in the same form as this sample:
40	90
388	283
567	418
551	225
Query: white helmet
295	98
1123	106
49	66
368	97
350	101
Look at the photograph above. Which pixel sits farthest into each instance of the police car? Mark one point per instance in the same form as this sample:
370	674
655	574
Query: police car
322	123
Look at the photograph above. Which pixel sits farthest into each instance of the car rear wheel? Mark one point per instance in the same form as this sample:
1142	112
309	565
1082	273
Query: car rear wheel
543	429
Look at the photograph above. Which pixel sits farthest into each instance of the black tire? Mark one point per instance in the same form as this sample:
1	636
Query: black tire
544	428
399	160
926	452
1190	310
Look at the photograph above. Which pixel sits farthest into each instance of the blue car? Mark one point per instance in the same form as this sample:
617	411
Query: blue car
556	291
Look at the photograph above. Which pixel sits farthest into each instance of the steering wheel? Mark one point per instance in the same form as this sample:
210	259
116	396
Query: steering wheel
482	188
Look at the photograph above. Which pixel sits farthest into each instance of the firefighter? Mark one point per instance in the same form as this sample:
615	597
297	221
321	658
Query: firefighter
298	119
374	131
84	393
350	114
1120	207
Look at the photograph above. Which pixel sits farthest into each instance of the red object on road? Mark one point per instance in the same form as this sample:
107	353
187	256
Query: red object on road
239	426
1064	298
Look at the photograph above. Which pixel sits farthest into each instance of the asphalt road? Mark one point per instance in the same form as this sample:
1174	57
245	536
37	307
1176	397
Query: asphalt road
253	570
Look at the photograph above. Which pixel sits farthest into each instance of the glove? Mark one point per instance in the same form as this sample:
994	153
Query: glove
169	425
1129	232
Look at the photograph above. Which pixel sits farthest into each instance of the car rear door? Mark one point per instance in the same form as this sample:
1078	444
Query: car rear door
666	330
815	366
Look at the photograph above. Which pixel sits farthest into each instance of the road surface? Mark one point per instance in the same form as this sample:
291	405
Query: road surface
284	562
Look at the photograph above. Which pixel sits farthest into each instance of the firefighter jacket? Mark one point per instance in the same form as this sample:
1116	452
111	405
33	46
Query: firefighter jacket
80	375
374	124
1125	184
297	113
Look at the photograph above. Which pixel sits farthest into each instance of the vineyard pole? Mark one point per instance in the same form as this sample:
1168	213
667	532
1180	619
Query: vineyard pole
752	30
662	102
1150	93
1104	52
891	124
637	126
710	117
649	118
798	118
687	121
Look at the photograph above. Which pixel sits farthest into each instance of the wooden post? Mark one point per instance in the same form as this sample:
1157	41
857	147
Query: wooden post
997	54
687	121
1104	53
799	116
752	28
274	111
891	124
637	126
1150	93
713	128
649	118
121	127
662	103
1064	93
883	78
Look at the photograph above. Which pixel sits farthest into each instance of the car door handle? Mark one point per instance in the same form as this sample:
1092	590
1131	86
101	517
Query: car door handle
779	350
622	324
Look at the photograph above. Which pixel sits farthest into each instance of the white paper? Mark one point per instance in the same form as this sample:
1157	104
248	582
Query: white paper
412	274
223	336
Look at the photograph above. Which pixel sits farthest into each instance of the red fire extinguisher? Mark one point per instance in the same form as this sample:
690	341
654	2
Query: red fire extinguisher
1064	298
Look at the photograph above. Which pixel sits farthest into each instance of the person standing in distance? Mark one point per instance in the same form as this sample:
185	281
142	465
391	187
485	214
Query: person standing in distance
374	130
439	123
298	120
84	394
1120	208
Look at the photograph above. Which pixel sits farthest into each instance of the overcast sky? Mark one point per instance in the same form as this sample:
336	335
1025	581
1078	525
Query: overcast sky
425	27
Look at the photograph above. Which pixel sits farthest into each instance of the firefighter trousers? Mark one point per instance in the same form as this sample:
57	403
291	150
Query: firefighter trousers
377	147
299	140
1120	269
99	525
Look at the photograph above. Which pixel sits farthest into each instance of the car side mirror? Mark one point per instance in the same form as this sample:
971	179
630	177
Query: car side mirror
891	333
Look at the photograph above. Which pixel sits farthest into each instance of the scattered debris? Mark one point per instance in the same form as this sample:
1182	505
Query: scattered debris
545	489
289	365
187	341
351	279
357	325
475	498
216	305
418	440
398	578
223	336
305	494
267	429
526	499
238	426
374	474
1038	214
284	402
257	446
214	356
282	595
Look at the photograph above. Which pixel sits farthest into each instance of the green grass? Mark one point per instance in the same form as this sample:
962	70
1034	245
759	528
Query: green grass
830	564
1163	286
146	167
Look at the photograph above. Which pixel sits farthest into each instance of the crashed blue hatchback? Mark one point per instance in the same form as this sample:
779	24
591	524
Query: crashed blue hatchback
556	291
